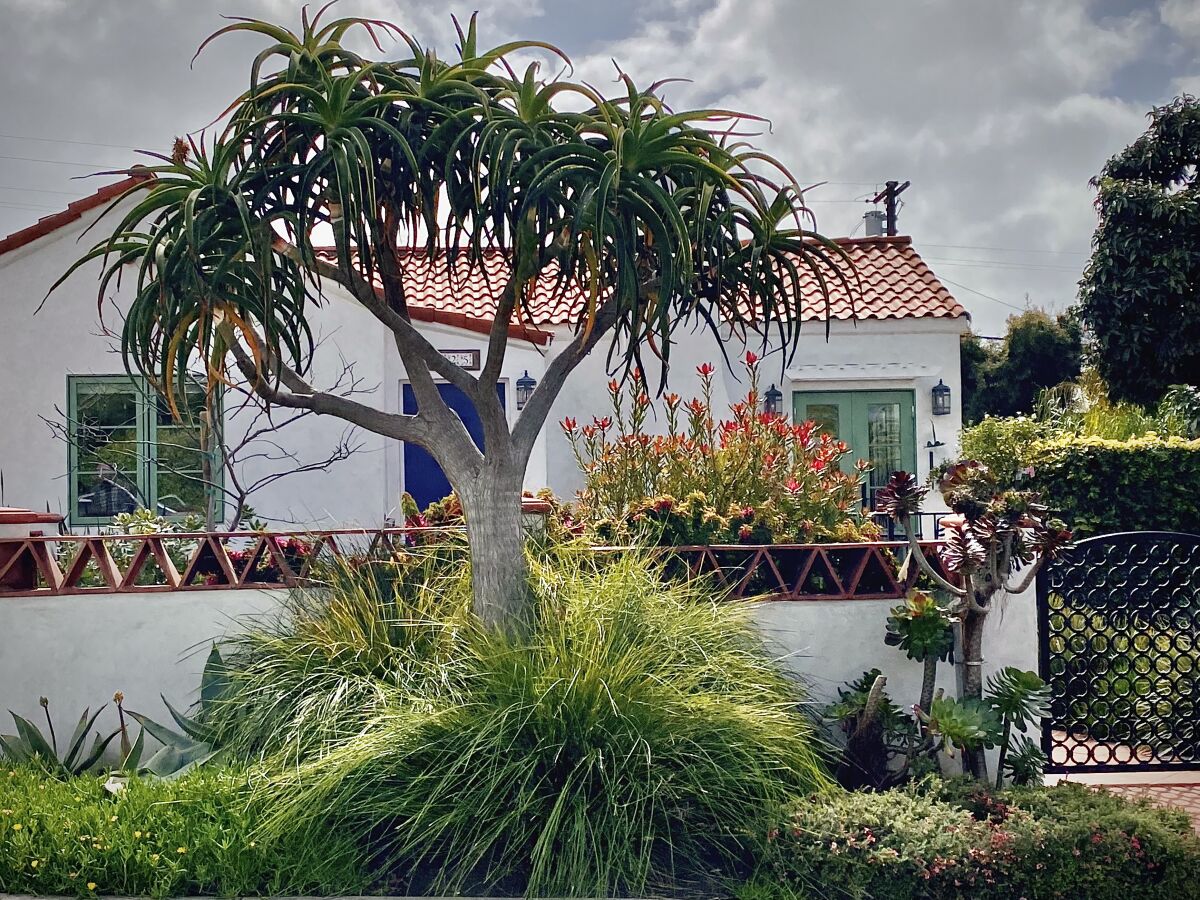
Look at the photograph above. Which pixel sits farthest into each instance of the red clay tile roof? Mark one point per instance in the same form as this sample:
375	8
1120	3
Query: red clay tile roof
74	211
895	284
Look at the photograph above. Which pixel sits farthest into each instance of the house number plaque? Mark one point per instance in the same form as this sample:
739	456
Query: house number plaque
464	359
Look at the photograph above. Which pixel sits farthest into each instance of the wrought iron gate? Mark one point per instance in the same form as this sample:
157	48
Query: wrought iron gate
1119	632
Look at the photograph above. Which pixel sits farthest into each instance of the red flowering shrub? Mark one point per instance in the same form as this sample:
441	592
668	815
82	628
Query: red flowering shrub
752	478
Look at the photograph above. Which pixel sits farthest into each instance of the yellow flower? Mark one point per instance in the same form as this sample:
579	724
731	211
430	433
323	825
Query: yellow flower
153	857
181	850
253	844
112	818
137	834
34	864
6	812
17	826
91	885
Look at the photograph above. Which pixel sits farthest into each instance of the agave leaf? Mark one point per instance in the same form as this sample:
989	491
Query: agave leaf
14	748
173	761
85	725
190	726
215	680
159	732
93	757
33	738
133	759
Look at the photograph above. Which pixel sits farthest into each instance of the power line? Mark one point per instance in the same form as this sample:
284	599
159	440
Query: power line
1003	249
986	296
11	187
45	140
998	264
59	162
28	206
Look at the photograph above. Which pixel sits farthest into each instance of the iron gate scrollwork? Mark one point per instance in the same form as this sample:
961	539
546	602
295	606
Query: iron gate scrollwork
1119	633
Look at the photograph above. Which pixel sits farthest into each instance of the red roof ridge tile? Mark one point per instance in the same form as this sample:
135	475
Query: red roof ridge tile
74	211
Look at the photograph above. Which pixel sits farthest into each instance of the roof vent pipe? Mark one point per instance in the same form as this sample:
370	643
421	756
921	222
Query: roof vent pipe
874	219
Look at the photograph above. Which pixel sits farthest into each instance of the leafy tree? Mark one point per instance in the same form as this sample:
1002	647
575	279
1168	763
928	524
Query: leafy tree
1140	295
654	217
1038	351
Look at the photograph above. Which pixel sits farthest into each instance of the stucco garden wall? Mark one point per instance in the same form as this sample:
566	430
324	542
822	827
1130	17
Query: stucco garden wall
77	650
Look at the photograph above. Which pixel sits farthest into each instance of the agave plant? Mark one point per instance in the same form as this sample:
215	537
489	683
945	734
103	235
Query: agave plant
30	745
640	219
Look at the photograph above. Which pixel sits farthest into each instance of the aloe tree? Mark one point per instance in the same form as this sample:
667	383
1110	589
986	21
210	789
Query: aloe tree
639	216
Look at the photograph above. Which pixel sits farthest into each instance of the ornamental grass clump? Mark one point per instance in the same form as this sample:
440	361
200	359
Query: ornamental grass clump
636	738
752	478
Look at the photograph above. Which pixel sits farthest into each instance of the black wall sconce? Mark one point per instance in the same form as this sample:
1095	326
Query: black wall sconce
772	401
941	399
525	385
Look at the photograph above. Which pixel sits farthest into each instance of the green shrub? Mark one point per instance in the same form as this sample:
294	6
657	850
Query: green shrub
192	835
1004	444
959	840
638	737
1100	486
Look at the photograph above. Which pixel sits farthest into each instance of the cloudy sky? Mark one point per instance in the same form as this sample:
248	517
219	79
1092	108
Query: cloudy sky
997	112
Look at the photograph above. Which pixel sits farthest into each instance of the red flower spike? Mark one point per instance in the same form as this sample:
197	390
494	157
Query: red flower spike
705	370
751	358
568	425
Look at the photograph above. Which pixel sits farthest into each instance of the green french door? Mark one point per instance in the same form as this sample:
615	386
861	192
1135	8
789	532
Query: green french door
878	426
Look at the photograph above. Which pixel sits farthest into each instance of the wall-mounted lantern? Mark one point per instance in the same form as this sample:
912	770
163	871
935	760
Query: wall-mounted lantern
772	401
525	385
941	399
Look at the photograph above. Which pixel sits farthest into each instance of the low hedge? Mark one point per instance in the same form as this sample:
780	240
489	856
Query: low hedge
1102	486
958	841
192	835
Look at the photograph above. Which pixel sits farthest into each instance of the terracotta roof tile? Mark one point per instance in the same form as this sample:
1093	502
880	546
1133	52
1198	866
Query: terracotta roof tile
74	211
895	284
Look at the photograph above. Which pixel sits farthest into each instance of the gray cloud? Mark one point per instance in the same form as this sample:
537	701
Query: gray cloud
999	113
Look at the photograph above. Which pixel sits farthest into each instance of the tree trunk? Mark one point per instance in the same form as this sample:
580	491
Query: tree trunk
974	761
928	682
499	571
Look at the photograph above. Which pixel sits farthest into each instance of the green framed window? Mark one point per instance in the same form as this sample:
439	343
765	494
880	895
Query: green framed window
125	451
879	426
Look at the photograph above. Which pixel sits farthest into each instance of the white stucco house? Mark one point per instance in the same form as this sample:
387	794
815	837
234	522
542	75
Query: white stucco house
67	408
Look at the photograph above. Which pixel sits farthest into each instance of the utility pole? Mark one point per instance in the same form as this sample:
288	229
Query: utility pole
888	195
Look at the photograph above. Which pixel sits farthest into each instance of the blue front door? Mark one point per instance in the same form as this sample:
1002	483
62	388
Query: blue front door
423	477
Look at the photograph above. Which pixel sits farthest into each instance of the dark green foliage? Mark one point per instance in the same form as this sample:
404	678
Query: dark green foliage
193	835
78	755
1140	295
957	840
1101	487
633	739
1038	351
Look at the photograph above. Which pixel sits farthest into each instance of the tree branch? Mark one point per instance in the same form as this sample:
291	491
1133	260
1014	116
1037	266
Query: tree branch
533	416
916	552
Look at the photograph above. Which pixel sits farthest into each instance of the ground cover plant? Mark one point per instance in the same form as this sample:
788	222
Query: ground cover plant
951	840
197	834
753	477
629	742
